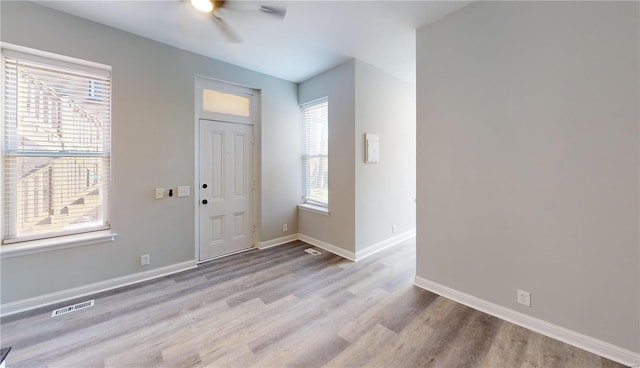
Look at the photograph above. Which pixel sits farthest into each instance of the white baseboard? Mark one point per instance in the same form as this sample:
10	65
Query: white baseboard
370	250
277	241
379	246
565	335
328	247
61	296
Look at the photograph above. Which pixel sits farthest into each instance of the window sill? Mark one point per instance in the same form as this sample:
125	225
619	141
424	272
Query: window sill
47	245
314	208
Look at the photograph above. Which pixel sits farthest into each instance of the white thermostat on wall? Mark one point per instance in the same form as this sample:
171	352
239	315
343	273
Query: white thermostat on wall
371	148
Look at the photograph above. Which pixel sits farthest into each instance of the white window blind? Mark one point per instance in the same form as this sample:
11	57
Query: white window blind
315	152
55	147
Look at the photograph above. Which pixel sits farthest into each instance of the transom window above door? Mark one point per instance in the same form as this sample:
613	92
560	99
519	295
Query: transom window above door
226	103
222	101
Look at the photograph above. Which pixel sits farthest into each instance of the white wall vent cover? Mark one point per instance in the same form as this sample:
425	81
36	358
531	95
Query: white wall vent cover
73	308
313	252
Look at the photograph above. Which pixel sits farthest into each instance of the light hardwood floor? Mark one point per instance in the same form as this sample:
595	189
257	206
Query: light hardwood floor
282	307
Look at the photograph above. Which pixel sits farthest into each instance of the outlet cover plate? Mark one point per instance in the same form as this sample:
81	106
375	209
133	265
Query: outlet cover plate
144	260
524	298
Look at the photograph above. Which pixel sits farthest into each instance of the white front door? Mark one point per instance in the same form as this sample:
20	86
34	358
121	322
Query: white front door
226	188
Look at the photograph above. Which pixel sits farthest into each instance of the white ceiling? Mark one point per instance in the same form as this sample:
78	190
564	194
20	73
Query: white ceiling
313	37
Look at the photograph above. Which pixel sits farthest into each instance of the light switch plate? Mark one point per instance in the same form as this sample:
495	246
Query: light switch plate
372	148
183	191
159	193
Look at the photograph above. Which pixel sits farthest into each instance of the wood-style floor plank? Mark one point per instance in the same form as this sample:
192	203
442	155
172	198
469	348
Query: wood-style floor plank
508	347
282	307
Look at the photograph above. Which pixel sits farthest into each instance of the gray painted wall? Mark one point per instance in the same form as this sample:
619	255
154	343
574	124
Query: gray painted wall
364	199
153	145
338	84
528	160
385	191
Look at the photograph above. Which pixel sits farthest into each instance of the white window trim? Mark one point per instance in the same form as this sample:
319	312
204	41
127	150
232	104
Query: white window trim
27	247
321	210
56	243
54	59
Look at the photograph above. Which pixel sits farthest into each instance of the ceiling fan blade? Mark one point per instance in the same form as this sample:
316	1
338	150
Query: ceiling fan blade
217	4
276	11
226	30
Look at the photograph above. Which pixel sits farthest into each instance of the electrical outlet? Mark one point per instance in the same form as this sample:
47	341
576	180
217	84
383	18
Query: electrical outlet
159	193
393	229
284	228
524	298
144	260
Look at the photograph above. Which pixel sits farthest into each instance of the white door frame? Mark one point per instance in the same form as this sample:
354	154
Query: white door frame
202	82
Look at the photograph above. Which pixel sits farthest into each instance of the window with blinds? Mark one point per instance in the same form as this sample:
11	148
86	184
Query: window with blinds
55	147
315	152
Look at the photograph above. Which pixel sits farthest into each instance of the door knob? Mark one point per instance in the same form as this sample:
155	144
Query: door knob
204	186
204	201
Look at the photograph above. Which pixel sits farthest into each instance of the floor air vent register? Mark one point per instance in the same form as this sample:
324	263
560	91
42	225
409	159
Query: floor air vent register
313	252
73	308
